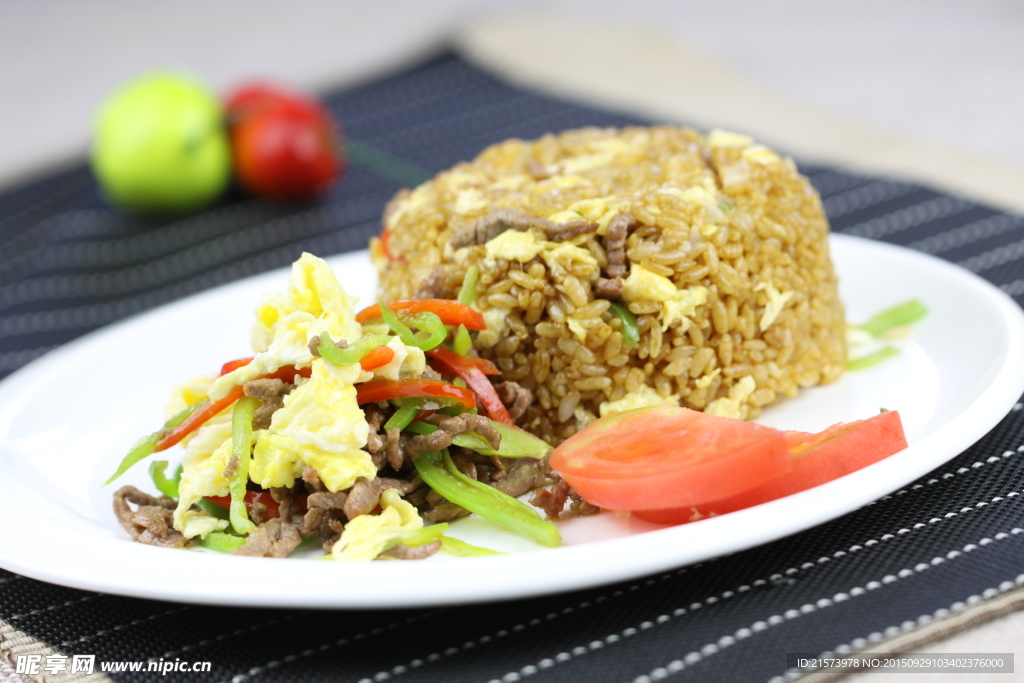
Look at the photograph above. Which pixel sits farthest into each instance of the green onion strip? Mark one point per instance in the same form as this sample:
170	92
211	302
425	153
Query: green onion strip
439	472
241	448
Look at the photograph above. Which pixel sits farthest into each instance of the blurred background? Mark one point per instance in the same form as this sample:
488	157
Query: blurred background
948	72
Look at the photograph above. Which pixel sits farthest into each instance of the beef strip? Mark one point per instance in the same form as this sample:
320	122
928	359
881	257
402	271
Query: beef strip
394	447
231	467
466	422
498	221
552	500
515	397
314	345
311	479
432	286
466	466
561	232
330	531
271	393
286	507
611	289
152	522
404	552
375	441
364	495
325	500
580	506
445	511
273	538
615	244
258	513
520	480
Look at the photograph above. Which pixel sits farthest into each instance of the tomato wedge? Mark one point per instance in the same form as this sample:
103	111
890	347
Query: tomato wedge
816	459
450	312
475	377
668	457
386	389
264	497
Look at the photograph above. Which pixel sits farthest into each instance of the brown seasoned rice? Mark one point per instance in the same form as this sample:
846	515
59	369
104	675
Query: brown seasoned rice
753	314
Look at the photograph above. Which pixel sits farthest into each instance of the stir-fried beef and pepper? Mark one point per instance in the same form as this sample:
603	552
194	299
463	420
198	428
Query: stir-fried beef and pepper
364	433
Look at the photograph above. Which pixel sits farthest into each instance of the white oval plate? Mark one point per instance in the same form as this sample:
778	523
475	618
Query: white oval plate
67	419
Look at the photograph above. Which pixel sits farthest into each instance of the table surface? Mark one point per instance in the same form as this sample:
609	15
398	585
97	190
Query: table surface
937	71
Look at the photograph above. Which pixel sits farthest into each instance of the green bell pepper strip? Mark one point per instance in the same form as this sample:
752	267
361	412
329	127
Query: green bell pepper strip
168	487
402	418
904	314
456	410
630	330
439	472
225	543
467	293
241	448
424	536
459	548
872	359
354	353
212	509
432	329
146	446
400	328
515	443
462	342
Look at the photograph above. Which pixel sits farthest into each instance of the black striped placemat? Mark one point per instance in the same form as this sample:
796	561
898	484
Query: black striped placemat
952	539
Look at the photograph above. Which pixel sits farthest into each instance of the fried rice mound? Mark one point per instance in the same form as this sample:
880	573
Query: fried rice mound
716	246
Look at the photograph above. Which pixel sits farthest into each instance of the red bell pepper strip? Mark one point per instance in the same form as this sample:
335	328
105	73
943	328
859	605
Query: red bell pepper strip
486	366
202	415
386	389
385	247
450	312
475	378
233	365
264	497
197	419
377	357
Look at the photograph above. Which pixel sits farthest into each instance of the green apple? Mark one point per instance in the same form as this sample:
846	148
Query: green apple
161	145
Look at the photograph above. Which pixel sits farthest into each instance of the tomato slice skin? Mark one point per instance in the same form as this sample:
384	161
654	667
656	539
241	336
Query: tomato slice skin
668	457
816	459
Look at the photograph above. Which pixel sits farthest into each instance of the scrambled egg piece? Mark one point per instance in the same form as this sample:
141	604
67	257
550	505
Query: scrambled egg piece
776	302
731	406
314	303
320	425
367	536
677	304
643	397
409	361
188	392
513	245
206	456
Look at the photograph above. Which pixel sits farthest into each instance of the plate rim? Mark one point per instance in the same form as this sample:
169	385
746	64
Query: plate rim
859	489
